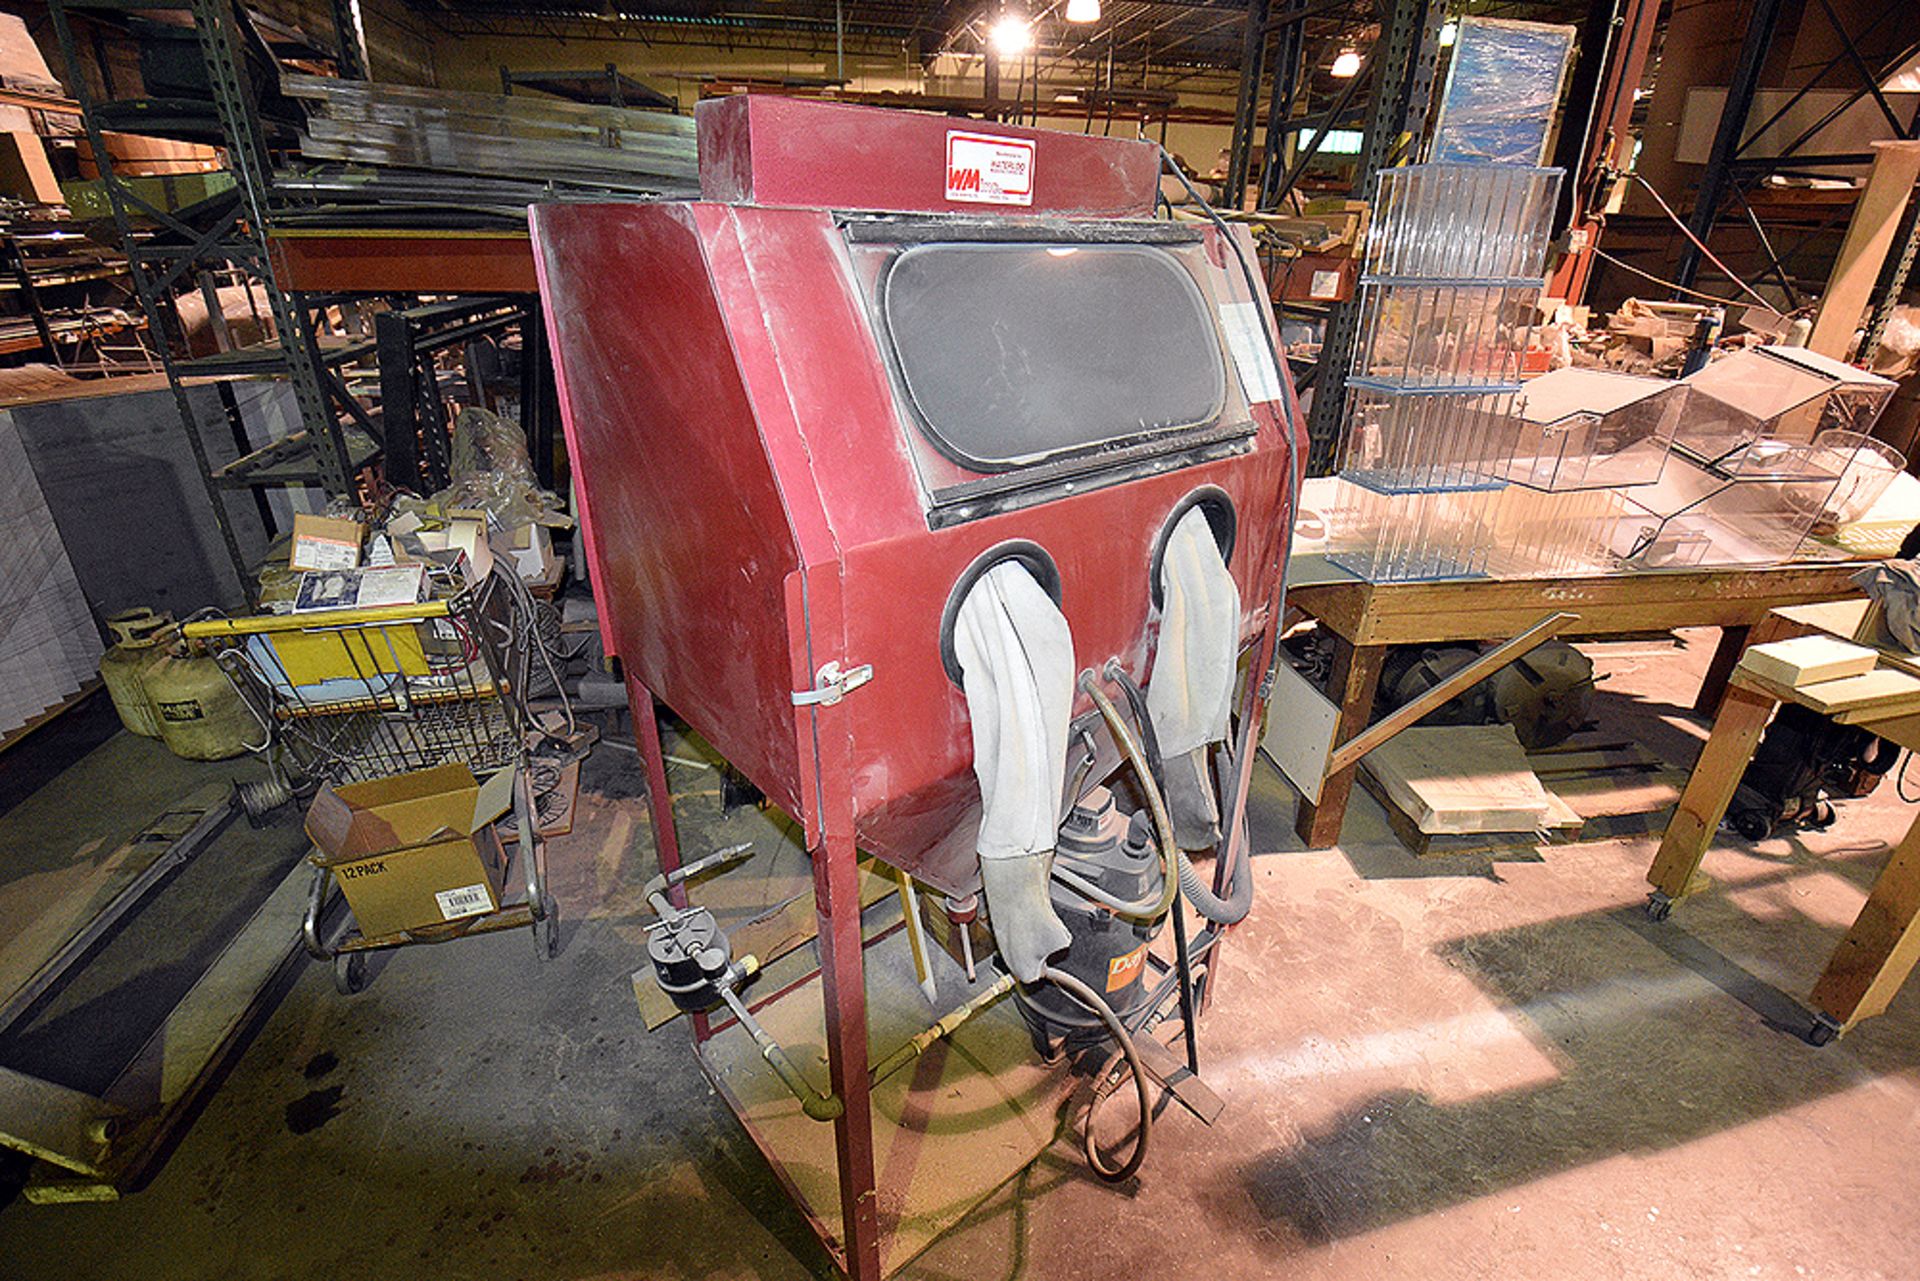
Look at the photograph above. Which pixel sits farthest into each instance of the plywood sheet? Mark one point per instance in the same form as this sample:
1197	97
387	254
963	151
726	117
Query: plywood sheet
1455	779
948	1129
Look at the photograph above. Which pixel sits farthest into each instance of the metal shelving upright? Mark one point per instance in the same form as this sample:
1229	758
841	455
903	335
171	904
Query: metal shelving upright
337	437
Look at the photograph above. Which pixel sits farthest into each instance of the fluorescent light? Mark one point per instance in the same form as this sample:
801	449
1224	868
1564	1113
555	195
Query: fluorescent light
1346	66
1011	36
1340	142
1449	32
1083	10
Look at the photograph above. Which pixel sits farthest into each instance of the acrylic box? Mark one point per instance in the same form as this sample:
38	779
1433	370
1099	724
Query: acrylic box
1461	222
1535	534
1784	393
1755	514
1444	335
1575	429
1388	537
1422	440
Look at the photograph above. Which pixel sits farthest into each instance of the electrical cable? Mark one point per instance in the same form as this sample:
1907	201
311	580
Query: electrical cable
1295	468
1699	244
1669	284
1087	997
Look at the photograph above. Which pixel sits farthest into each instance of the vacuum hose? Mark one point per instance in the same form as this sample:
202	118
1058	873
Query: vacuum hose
1232	909
1150	909
1239	901
1080	992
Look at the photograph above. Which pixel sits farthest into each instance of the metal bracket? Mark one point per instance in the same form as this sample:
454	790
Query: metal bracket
830	684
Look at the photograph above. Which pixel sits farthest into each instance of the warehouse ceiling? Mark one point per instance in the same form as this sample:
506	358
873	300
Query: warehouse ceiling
1130	33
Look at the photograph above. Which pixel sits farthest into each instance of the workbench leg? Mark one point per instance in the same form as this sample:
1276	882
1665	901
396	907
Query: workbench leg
1880	950
1356	679
1713	686
1736	732
1735	641
843	981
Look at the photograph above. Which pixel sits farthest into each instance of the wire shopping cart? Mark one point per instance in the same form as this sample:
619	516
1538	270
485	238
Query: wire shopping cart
350	695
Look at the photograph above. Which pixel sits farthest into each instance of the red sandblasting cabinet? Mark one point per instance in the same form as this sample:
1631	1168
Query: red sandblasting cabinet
800	410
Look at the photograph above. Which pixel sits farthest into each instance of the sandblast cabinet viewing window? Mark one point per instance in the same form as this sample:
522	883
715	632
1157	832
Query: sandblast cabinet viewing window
1012	354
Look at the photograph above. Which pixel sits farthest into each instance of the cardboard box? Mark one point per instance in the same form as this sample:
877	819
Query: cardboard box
530	548
413	850
324	542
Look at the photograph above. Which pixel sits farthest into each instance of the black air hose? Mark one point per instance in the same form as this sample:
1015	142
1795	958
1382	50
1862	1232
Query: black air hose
1080	992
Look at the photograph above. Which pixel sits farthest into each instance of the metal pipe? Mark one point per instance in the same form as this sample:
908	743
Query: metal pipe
819	1107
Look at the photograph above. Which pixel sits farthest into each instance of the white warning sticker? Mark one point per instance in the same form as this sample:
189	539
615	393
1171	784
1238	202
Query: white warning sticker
984	169
468	900
1244	323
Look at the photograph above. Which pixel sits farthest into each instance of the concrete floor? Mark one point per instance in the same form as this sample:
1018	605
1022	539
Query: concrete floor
1452	1068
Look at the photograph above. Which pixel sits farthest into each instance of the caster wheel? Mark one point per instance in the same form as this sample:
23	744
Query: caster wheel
350	973
546	932
1752	825
1823	1032
1659	906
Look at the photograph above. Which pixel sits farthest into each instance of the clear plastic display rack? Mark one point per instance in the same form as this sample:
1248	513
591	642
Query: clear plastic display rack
1453	267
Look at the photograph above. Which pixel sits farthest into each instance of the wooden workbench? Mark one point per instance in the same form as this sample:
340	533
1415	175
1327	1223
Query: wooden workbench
1880	949
1366	619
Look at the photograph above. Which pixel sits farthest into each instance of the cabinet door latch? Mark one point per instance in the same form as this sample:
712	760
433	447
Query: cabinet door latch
830	684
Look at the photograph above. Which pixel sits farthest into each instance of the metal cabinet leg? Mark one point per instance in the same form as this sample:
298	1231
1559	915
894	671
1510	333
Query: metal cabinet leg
1356	679
836	897
1736	732
666	835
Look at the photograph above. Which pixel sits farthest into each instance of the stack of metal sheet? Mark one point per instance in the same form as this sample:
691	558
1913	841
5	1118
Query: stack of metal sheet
516	140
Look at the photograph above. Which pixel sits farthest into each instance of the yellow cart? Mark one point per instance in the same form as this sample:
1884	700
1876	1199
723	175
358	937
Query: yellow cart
343	696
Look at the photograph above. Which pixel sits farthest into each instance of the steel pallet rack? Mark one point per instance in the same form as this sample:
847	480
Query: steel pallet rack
1399	74
337	438
1734	166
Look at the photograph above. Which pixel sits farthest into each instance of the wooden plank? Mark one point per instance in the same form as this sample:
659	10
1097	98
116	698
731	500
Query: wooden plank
1487	609
1350	751
1809	660
1458	779
1715	776
937	1168
1880	949
1879	695
1876	217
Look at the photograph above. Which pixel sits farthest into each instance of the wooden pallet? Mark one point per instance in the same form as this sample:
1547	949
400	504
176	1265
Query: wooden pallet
1608	789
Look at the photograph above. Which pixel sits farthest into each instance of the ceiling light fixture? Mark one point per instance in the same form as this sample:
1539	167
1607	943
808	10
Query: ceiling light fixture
1083	10
1011	36
1346	66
